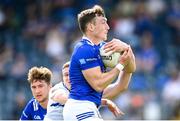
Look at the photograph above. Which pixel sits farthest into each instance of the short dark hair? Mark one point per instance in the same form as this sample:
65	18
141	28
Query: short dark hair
88	15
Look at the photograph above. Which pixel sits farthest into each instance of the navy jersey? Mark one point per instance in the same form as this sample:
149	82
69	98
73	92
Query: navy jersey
33	111
86	55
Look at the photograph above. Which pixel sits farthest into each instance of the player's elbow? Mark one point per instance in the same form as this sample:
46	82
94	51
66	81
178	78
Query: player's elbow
125	89
97	86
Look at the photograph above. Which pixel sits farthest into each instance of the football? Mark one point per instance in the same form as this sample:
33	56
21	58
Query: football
109	59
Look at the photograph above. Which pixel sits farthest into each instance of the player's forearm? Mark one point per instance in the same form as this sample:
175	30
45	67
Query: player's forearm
113	90
123	81
107	78
98	80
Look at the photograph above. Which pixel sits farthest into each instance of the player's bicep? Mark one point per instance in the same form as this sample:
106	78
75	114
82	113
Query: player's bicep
92	75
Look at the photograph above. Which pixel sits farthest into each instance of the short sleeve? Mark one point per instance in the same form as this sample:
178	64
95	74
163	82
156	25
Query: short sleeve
26	113
87	57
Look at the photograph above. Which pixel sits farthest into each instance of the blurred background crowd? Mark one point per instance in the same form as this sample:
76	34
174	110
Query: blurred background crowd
43	33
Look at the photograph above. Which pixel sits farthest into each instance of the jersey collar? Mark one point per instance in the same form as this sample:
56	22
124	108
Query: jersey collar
88	40
65	86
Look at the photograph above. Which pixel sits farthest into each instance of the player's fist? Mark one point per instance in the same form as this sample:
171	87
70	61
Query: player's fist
113	107
125	58
116	45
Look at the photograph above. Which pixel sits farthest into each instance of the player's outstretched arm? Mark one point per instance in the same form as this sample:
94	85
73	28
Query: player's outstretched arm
112	107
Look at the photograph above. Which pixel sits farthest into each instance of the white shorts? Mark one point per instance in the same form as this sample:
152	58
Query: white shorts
81	110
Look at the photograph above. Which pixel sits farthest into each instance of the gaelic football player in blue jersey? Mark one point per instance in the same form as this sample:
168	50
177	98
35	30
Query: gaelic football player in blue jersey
88	76
40	83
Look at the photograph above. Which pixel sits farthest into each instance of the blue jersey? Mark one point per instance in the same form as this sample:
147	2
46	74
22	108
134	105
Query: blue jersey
33	111
86	55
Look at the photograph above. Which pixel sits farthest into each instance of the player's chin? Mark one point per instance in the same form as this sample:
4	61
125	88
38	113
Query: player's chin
38	99
104	38
41	100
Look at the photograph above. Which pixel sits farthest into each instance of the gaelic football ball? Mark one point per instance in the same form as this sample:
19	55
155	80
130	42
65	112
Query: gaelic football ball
109	59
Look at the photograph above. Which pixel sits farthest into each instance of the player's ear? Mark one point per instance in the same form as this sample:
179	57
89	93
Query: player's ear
90	26
50	85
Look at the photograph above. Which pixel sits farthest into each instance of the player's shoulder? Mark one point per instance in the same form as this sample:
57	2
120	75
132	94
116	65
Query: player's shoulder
57	86
32	100
33	103
84	44
82	50
85	47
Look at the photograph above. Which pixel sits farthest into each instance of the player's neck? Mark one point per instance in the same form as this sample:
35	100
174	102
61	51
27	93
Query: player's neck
44	104
93	39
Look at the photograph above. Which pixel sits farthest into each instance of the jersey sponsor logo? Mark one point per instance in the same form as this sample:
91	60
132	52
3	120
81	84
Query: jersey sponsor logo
82	61
37	117
91	59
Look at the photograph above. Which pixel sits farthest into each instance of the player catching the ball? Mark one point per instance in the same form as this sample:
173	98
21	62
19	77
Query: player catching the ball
88	76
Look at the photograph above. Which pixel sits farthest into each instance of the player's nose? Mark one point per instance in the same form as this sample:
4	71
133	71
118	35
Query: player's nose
107	26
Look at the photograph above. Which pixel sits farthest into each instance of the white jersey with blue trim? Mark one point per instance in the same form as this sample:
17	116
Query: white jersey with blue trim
55	109
86	55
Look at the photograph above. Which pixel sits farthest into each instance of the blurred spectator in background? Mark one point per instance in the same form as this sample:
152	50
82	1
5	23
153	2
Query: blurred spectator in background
20	102
171	90
176	112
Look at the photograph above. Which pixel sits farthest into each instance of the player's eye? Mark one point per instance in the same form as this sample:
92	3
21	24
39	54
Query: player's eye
33	87
40	86
66	74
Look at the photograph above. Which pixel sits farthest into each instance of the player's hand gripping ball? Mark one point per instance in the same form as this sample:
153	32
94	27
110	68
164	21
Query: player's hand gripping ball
109	59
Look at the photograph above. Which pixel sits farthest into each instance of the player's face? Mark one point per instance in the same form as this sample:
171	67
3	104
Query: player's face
66	77
40	90
101	28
